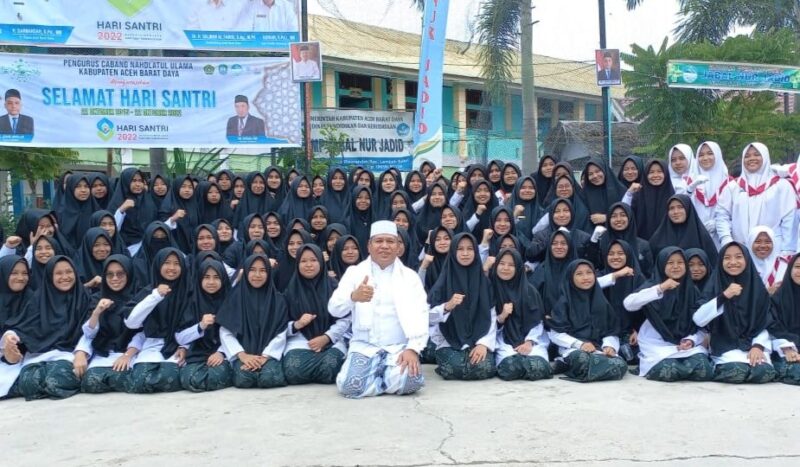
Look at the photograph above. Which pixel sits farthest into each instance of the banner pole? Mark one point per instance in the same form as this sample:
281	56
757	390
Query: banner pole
306	94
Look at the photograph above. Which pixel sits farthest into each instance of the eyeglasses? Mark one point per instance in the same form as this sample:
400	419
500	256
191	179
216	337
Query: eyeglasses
119	275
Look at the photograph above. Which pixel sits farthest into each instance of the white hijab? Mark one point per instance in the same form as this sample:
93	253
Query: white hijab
717	175
765	174
765	267
680	181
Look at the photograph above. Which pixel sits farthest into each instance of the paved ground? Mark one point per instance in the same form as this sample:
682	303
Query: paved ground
480	423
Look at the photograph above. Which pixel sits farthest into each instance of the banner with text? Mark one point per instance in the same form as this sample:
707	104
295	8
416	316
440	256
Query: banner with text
107	101
737	76
375	139
152	24
428	120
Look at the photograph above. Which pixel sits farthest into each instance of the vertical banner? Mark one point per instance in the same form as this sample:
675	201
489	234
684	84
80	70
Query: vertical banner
428	118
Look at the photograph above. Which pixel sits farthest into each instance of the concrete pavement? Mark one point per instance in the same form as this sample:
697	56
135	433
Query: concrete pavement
553	422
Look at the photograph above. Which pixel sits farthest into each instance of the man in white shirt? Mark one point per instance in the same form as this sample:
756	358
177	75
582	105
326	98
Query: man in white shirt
273	15
389	312
306	69
218	15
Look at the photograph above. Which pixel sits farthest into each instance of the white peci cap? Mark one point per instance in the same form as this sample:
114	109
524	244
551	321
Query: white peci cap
383	228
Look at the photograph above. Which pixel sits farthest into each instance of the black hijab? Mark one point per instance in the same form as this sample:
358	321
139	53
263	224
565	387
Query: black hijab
88	266
58	196
410	257
580	213
495	240
628	234
314	210
548	276
223	245
383	201
174	312
254	315
786	308
498	185
144	258
650	203
698	253
276	243
690	234
205	303
311	296
101	203
322	240
112	334
599	198
745	316
138	217
528	306
286	263
429	216
361	221
52	319
471	320
506	188
533	210
583	314
234	255
414	196
227	195
294	206
186	225
623	286
672	315
252	203
337	202
209	212
117	245
276	196
75	216
639	166
471	206
337	265
460	226
12	303
30	222
544	184
158	200
435	268
37	278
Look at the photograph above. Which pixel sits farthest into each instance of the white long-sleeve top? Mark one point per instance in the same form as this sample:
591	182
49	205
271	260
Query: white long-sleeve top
151	347
710	311
335	333
568	344
231	346
652	346
536	335
438	315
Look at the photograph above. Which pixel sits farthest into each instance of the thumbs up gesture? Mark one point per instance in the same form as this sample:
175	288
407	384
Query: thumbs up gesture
364	292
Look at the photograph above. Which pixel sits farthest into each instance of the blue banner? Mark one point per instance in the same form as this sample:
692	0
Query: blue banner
428	118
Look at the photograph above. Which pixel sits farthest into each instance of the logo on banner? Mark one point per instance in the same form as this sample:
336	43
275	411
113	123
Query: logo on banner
21	71
208	69
403	129
105	129
223	69
130	7
236	70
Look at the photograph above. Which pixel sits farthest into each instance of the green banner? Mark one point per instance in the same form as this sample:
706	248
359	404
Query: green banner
738	76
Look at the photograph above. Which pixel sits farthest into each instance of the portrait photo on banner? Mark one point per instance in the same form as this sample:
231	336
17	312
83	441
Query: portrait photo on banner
306	61
607	66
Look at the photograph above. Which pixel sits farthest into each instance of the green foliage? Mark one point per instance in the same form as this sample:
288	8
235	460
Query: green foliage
670	115
333	141
498	26
199	164
32	164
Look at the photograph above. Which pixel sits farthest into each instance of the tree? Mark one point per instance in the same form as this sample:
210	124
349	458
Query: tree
33	164
505	33
732	118
713	20
199	164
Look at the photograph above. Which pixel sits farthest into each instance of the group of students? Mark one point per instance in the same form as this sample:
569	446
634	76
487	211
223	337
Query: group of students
152	285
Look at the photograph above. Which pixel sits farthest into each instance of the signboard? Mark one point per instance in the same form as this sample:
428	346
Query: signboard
306	62
428	119
607	66
152	24
736	76
376	139
115	101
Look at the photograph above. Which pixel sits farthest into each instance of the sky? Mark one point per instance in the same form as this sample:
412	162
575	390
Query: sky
566	28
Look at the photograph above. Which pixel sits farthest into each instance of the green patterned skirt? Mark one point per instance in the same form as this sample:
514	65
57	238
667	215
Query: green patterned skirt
695	368
199	377
98	380
51	380
587	367
147	378
269	376
788	373
524	367
302	366
739	373
455	364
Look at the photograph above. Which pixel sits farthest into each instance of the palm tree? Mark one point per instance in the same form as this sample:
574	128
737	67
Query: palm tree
713	20
505	32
